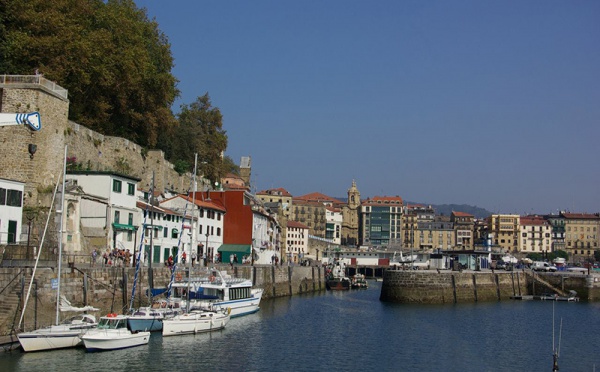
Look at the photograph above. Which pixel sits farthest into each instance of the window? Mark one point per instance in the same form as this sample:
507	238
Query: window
129	236
218	231
218	216
130	189
200	229
174	234
117	185
165	232
13	198
130	219
117	216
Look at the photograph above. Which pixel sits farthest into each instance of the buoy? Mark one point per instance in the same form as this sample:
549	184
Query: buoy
178	277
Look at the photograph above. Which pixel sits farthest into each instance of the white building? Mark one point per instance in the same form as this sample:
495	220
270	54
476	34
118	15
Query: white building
297	241
334	222
535	235
11	210
208	217
119	216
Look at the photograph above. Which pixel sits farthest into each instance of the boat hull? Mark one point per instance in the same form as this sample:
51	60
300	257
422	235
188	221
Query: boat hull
145	324
194	322
337	284
236	308
111	339
50	339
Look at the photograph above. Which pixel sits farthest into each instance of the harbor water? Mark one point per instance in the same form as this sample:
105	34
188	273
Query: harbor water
353	330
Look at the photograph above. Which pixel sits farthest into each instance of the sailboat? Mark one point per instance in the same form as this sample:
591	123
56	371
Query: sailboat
194	321
69	332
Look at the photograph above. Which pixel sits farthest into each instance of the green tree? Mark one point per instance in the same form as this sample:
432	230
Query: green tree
200	131
115	62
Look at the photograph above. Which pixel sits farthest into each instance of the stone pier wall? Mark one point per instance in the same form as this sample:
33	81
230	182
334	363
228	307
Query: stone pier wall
104	288
451	287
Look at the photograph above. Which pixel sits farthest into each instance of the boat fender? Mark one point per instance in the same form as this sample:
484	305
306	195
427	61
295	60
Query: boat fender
112	315
228	310
178	277
211	278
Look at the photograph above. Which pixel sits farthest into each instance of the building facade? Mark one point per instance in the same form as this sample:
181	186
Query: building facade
381	219
581	231
504	231
464	224
535	235
297	238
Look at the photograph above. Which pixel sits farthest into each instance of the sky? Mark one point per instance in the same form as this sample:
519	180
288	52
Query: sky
492	104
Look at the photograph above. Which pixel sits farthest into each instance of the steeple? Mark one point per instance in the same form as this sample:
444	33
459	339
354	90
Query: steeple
353	196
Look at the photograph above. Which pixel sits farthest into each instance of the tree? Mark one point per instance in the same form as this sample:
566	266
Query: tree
115	63
200	131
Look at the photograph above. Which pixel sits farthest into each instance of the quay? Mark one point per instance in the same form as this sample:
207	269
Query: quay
109	288
444	286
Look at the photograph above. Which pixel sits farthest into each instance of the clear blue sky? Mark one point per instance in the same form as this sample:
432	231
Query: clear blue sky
494	104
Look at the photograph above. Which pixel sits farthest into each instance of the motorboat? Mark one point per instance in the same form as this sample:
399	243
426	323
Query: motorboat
195	321
359	282
64	335
150	318
335	279
215	290
112	333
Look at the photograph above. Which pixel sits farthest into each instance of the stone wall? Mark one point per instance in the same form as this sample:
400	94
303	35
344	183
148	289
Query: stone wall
450	287
104	288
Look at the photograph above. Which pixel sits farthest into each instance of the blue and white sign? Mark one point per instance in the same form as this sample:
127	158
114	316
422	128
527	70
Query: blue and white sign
54	283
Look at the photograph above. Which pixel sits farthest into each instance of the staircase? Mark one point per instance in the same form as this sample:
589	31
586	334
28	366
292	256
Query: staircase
540	280
10	300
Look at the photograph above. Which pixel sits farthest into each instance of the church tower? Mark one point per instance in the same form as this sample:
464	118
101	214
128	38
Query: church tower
350	215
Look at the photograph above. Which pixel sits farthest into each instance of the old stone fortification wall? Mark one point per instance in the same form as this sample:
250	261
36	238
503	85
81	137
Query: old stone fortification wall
97	152
104	287
450	287
91	149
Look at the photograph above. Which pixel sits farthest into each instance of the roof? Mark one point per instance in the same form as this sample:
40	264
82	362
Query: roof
581	216
200	203
275	192
383	200
318	197
462	214
533	221
103	173
297	224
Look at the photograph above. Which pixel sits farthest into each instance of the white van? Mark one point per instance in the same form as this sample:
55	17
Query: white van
542	266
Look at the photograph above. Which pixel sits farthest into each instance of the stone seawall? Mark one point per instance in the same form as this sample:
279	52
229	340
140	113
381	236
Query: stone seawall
456	287
450	287
110	288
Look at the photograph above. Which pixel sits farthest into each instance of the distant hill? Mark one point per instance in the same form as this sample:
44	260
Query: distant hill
446	209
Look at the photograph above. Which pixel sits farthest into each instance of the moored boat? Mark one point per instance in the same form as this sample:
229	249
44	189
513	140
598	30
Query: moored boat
335	279
196	321
112	333
64	335
150	318
359	282
217	291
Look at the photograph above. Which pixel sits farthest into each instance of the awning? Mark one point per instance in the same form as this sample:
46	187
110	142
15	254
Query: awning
155	227
122	226
235	248
175	231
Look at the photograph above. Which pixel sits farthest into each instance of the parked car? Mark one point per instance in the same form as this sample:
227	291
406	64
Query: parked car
542	266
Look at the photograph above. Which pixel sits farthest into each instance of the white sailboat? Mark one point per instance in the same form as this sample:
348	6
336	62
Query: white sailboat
68	333
194	321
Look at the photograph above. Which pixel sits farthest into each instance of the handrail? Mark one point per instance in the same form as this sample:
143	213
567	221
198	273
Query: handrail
35	80
11	281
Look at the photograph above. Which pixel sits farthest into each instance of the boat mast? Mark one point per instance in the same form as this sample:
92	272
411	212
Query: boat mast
60	234
195	185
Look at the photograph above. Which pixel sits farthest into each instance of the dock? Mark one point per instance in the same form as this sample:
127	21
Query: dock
546	298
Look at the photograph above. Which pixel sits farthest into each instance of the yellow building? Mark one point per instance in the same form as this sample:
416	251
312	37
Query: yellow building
504	230
581	231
